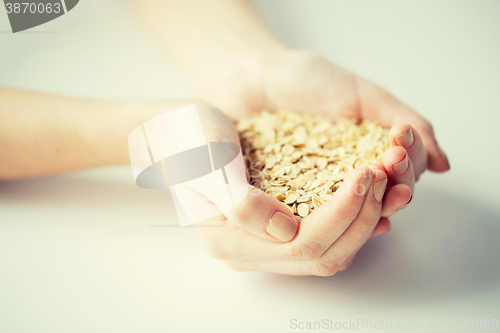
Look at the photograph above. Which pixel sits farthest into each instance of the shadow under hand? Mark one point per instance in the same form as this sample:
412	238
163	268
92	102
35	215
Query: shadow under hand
441	246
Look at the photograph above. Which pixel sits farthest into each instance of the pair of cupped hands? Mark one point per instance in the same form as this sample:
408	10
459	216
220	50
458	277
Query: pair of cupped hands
260	233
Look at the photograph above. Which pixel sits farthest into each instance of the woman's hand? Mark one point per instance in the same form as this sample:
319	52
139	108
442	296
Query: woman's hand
305	82
326	242
260	232
233	61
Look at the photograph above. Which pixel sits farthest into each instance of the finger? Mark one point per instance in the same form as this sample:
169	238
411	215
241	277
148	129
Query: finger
231	243
325	225
399	166
406	136
244	205
378	166
363	226
396	197
300	268
379	104
436	158
227	186
264	216
383	227
225	241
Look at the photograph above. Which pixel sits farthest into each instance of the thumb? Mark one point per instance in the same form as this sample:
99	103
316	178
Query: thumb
248	207
264	216
227	186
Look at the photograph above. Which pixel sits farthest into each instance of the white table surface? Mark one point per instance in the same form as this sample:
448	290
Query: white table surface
78	252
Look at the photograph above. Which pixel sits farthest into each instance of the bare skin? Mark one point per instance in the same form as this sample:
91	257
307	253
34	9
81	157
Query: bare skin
232	60
42	134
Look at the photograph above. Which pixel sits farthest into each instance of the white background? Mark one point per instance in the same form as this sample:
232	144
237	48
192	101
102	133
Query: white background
78	253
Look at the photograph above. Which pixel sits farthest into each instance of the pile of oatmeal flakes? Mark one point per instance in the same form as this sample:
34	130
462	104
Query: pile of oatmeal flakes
301	159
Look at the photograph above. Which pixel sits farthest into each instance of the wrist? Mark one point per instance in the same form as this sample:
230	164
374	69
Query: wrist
239	70
119	118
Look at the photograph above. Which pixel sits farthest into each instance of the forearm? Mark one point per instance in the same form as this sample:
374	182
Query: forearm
208	40
46	134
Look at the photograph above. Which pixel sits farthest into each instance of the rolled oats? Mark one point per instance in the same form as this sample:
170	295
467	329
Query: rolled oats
301	160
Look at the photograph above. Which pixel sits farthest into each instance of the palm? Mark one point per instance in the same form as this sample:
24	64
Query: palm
305	82
311	84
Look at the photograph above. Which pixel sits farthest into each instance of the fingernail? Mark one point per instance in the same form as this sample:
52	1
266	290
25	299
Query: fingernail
402	166
379	189
406	205
406	139
281	227
365	183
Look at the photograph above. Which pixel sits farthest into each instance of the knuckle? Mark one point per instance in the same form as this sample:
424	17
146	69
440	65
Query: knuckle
307	251
326	268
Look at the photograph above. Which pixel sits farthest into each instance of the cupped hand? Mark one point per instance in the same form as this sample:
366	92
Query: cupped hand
326	242
305	82
261	233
